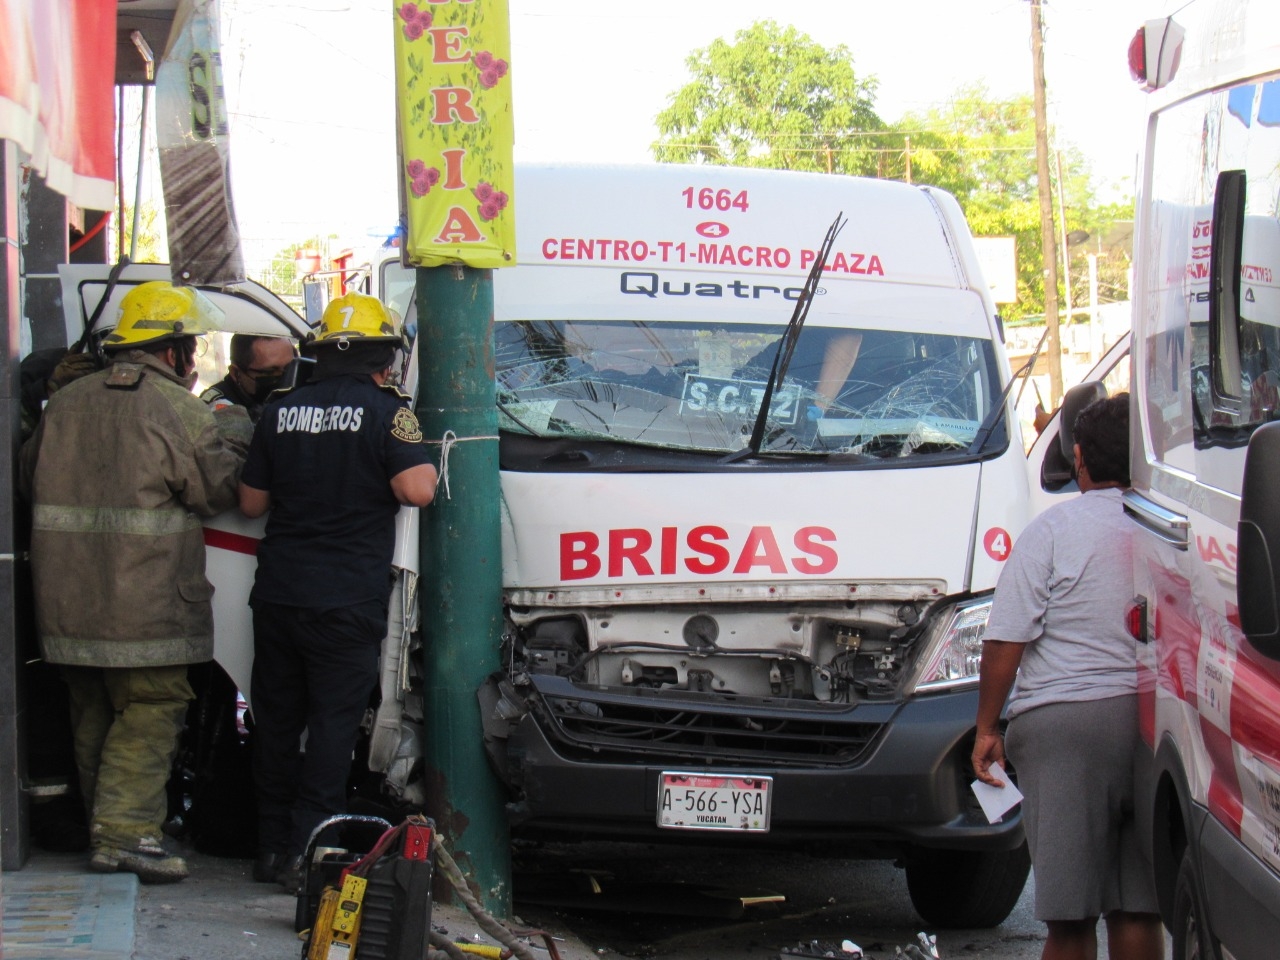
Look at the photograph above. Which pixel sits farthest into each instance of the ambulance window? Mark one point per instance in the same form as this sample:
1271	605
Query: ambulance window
1212	360
1245	324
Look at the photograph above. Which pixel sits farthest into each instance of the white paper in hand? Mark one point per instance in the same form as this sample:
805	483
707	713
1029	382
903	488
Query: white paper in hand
996	801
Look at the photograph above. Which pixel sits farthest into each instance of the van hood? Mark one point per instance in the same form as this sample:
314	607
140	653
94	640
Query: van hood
714	531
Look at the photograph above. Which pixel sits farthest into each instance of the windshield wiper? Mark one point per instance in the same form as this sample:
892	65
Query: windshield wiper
1035	355
787	344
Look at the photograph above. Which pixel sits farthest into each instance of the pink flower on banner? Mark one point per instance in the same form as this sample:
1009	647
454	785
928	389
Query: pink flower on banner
492	202
414	168
424	179
416	21
491	68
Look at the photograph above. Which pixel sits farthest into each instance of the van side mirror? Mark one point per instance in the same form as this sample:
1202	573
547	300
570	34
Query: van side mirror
1258	543
1059	458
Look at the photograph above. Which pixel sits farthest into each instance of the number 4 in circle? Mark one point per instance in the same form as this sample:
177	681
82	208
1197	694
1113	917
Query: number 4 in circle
997	543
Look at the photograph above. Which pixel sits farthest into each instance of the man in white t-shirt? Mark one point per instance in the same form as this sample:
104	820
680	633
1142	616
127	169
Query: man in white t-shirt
1056	638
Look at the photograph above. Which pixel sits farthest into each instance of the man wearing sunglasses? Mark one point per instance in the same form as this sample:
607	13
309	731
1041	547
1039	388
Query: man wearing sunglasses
257	367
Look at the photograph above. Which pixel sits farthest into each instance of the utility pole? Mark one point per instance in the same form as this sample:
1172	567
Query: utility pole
908	153
459	149
461	582
1066	245
1048	243
1095	347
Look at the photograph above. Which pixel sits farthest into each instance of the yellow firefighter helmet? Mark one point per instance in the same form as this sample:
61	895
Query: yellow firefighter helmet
157	310
358	317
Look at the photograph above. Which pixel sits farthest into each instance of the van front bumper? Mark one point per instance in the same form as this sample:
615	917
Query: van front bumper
874	778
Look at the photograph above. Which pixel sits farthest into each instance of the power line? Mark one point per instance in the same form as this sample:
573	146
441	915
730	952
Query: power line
941	131
916	151
241	116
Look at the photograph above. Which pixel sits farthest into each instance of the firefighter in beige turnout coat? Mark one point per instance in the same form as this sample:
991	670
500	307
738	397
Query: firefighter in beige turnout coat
122	467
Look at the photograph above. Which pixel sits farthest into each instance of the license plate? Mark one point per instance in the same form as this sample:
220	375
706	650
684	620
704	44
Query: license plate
699	801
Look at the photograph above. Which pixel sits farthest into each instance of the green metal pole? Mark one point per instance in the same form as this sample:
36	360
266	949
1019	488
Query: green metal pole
461	582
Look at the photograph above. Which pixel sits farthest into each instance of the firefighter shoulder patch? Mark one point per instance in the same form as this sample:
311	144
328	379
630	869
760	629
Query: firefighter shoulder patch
405	426
124	376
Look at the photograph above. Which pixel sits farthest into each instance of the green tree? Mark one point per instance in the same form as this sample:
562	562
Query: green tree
1100	221
775	98
982	150
153	241
772	98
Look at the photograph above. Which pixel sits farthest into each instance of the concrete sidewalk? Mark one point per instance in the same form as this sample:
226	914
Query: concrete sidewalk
55	910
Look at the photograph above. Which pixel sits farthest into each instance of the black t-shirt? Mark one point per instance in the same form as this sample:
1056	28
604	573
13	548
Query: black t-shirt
326	453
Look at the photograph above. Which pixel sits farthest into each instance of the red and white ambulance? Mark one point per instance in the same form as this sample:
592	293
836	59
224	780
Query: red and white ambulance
1206	472
774	644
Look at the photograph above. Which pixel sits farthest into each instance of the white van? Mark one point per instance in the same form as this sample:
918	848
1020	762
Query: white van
774	645
1206	472
771	643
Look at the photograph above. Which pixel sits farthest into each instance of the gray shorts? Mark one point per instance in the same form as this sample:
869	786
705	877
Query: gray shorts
1074	763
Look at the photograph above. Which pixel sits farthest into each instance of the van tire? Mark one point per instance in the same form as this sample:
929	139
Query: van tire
1190	928
967	889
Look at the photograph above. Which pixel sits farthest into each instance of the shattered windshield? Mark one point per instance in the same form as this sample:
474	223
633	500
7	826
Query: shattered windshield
698	387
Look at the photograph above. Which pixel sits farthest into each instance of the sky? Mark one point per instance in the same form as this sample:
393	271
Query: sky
310	86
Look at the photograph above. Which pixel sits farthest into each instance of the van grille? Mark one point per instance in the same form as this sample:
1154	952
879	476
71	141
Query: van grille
723	731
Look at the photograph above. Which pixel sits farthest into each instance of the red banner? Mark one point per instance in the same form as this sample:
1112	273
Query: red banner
57	77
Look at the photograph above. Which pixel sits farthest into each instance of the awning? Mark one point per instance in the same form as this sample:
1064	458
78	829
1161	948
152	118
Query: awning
57	76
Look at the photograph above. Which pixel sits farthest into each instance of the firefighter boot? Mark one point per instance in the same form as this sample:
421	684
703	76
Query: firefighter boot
147	858
266	869
293	875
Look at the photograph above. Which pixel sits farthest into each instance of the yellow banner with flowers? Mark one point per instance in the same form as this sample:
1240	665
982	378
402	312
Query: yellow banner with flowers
453	104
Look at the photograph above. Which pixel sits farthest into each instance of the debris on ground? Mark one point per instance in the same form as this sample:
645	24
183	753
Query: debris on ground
928	947
925	948
586	890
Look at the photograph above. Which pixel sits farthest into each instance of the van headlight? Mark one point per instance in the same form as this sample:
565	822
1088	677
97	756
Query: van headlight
953	655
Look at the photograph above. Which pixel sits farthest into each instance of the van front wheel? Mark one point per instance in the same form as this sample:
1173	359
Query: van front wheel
967	889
